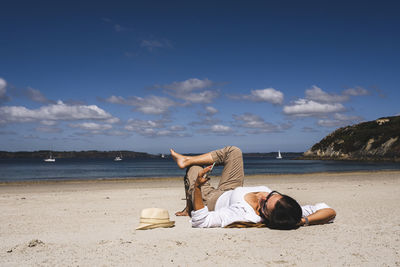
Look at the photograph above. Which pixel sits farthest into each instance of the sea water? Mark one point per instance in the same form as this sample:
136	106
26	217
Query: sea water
91	169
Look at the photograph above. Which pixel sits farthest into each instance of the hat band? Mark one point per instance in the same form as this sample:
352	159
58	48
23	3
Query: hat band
154	220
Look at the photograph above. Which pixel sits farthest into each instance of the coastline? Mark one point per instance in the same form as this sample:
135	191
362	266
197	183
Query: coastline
355	159
176	178
90	223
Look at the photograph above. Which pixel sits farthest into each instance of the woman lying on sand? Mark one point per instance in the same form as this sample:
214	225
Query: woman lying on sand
232	205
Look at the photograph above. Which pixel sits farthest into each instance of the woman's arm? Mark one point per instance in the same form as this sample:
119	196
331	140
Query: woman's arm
203	218
321	216
198	198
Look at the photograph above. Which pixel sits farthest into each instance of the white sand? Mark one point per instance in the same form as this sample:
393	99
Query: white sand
93	224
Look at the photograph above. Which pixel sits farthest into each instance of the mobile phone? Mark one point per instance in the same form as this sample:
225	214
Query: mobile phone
207	175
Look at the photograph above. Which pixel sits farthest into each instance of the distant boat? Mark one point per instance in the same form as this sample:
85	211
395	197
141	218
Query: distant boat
162	156
118	158
50	158
279	155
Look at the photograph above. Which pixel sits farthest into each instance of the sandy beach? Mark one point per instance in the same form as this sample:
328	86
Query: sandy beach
93	224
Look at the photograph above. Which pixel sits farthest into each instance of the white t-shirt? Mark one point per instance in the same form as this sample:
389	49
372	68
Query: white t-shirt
232	207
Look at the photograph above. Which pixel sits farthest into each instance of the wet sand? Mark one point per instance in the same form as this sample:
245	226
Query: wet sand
93	223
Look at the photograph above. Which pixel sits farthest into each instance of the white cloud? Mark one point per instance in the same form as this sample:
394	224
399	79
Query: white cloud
211	111
258	124
248	120
186	90
189	85
270	95
218	128
356	91
91	126
304	107
54	112
3	91
3	85
201	97
37	96
320	103
154	105
177	128
48	123
339	120
117	100
112	120
318	95
206	117
138	125
155	128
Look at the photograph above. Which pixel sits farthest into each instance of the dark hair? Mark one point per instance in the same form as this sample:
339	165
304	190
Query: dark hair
286	214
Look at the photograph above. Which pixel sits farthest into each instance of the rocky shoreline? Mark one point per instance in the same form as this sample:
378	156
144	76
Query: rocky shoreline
377	140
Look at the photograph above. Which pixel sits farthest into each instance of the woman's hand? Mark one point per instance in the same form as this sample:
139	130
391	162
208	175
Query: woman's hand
322	216
201	177
302	222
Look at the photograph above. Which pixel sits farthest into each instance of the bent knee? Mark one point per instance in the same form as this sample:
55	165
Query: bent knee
193	171
235	150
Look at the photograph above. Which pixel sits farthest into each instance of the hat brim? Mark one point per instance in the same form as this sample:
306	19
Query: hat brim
145	226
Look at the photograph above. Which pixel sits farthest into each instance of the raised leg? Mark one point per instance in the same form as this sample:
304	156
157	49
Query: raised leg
184	161
232	175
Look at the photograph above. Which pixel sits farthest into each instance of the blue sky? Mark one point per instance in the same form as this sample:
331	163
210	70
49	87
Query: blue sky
195	76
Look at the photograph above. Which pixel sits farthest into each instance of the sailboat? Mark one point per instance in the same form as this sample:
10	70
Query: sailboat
50	158
118	158
279	155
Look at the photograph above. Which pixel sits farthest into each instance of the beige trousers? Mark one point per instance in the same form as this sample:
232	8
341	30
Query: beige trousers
232	176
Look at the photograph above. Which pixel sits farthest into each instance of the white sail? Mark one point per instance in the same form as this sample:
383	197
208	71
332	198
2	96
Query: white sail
50	158
118	158
279	155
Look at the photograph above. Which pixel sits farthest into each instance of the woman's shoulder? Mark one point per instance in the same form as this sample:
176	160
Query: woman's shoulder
249	189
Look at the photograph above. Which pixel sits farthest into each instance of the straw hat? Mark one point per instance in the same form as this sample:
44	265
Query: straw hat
153	218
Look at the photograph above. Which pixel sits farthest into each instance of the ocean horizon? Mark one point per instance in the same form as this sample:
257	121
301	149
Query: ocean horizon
130	168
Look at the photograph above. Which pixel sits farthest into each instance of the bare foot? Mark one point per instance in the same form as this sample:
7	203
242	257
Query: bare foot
181	160
184	212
